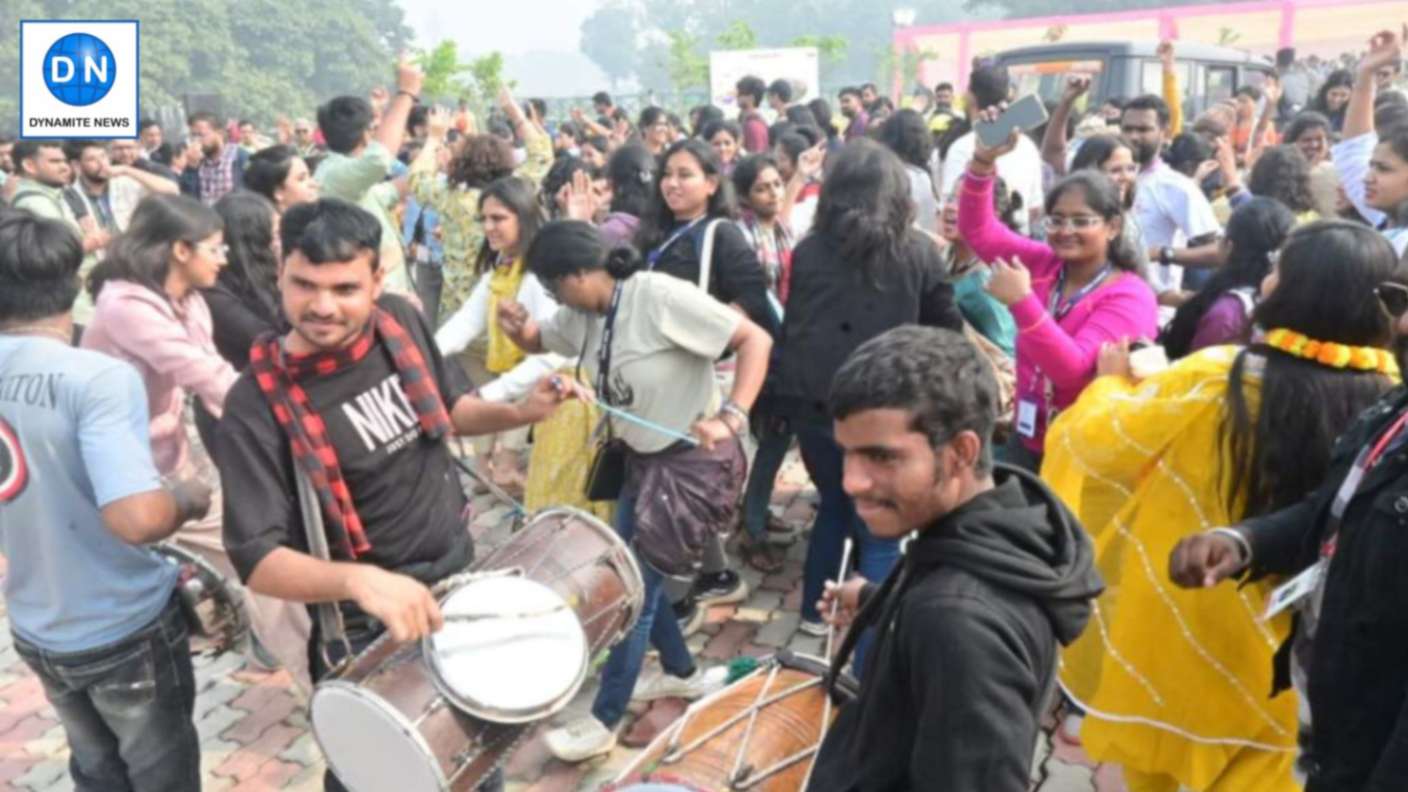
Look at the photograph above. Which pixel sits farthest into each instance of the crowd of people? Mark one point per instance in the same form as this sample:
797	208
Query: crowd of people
1052	390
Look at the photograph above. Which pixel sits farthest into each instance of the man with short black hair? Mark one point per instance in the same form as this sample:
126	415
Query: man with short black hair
869	95
221	168
111	192
357	398
359	162
749	92
780	96
1171	209
943	117
999	575
990	86
149	134
602	104
853	108
94	612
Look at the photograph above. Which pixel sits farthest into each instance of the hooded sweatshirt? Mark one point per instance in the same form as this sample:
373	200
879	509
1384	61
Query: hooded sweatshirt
968	627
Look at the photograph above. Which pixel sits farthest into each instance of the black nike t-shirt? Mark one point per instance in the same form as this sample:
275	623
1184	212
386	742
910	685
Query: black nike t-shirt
404	485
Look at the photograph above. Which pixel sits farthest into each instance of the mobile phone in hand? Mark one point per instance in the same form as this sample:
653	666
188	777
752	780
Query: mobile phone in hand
1025	114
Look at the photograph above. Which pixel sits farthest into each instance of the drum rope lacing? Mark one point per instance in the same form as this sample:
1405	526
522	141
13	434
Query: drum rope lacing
744	777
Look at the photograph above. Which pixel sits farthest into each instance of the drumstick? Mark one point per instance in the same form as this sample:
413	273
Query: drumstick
836	600
473	617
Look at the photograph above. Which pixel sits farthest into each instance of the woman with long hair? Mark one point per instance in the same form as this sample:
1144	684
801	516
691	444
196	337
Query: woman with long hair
476	161
1221	311
511	216
1175	682
1079	289
727	139
970	274
1310	132
863	270
244	302
655	130
691	213
631	174
649	341
281	176
1373	163
1282	174
150	313
1113	156
1332	100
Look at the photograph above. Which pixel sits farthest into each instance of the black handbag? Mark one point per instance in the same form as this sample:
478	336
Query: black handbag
607	476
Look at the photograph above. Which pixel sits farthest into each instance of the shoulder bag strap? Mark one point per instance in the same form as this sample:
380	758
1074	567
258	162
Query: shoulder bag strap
331	629
706	254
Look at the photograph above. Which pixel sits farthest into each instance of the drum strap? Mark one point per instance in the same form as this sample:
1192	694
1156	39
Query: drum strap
331	629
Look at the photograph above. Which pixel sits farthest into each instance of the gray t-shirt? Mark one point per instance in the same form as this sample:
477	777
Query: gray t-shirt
73	438
668	334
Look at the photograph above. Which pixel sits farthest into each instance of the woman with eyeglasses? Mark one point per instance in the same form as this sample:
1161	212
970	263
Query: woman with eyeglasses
655	131
1174	683
244	302
1079	289
1221	311
150	313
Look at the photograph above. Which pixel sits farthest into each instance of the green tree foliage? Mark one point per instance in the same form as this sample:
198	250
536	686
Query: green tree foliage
266	58
687	67
738	35
609	38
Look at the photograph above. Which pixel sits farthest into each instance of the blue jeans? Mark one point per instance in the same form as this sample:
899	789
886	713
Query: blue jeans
618	678
836	520
126	708
774	438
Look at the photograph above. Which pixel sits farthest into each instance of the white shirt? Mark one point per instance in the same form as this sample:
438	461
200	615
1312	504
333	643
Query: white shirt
1171	210
926	204
1351	159
460	330
1021	170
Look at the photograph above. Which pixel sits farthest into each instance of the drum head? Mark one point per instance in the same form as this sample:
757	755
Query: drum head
521	657
370	746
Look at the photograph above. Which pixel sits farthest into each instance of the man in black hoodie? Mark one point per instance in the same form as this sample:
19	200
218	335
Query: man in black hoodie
968	625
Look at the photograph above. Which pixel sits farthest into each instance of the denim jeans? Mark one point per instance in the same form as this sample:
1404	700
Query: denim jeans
126	708
359	637
429	282
618	678
774	438
836	520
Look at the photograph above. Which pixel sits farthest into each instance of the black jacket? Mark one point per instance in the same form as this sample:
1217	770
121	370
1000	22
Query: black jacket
1358	675
237	320
832	308
736	275
965	660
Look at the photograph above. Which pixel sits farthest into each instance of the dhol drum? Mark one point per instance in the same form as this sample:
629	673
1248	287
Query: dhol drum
521	630
214	611
760	733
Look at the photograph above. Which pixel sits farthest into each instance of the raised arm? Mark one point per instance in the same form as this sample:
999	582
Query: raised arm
391	131
1173	94
984	233
1055	142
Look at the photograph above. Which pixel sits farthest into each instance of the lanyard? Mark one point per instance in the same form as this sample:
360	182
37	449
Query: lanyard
1368	457
659	252
1058	308
603	355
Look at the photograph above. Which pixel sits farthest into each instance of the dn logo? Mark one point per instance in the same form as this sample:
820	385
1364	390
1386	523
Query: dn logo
79	69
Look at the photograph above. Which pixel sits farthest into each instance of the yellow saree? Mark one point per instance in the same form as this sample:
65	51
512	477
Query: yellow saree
1175	682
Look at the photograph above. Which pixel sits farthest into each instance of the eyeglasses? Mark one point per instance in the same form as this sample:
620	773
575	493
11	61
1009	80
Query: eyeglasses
215	251
1055	223
1394	298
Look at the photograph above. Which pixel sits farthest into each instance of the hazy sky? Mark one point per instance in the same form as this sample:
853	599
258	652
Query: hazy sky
512	26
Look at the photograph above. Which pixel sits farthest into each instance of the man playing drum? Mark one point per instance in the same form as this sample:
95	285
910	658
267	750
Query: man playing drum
94	613
998	574
357	396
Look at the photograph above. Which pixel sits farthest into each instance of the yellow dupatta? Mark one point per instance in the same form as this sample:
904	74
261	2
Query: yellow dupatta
504	282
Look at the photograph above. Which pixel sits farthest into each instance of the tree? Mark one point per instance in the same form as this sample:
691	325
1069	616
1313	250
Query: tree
444	73
831	52
737	36
686	66
608	37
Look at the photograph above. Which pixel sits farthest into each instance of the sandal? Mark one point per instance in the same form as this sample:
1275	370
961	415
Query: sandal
761	555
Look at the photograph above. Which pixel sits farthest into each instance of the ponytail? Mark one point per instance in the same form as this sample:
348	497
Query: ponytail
622	262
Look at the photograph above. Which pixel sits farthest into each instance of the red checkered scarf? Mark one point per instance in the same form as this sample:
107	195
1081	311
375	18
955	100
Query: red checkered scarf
278	376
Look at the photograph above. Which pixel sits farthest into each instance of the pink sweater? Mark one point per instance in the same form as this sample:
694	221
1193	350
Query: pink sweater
173	351
1064	351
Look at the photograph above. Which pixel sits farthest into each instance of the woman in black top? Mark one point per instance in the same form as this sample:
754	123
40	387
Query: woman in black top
244	302
862	271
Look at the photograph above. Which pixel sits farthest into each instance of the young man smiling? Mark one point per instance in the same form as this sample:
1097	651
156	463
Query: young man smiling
999	574
357	398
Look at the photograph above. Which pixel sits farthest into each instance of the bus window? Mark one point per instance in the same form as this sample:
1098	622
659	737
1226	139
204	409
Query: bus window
1221	83
1048	80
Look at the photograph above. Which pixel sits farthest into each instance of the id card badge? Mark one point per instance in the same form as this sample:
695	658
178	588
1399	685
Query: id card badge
1295	590
1026	418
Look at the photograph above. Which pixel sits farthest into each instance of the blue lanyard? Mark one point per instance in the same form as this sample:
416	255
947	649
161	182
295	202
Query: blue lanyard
659	252
1060	309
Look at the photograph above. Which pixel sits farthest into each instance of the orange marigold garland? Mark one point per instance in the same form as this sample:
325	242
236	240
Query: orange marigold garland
1329	353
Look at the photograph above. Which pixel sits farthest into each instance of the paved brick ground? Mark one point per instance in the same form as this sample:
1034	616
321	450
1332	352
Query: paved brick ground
254	732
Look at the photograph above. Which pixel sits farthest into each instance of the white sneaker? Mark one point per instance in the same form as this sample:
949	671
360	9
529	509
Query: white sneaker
698	685
816	629
580	740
